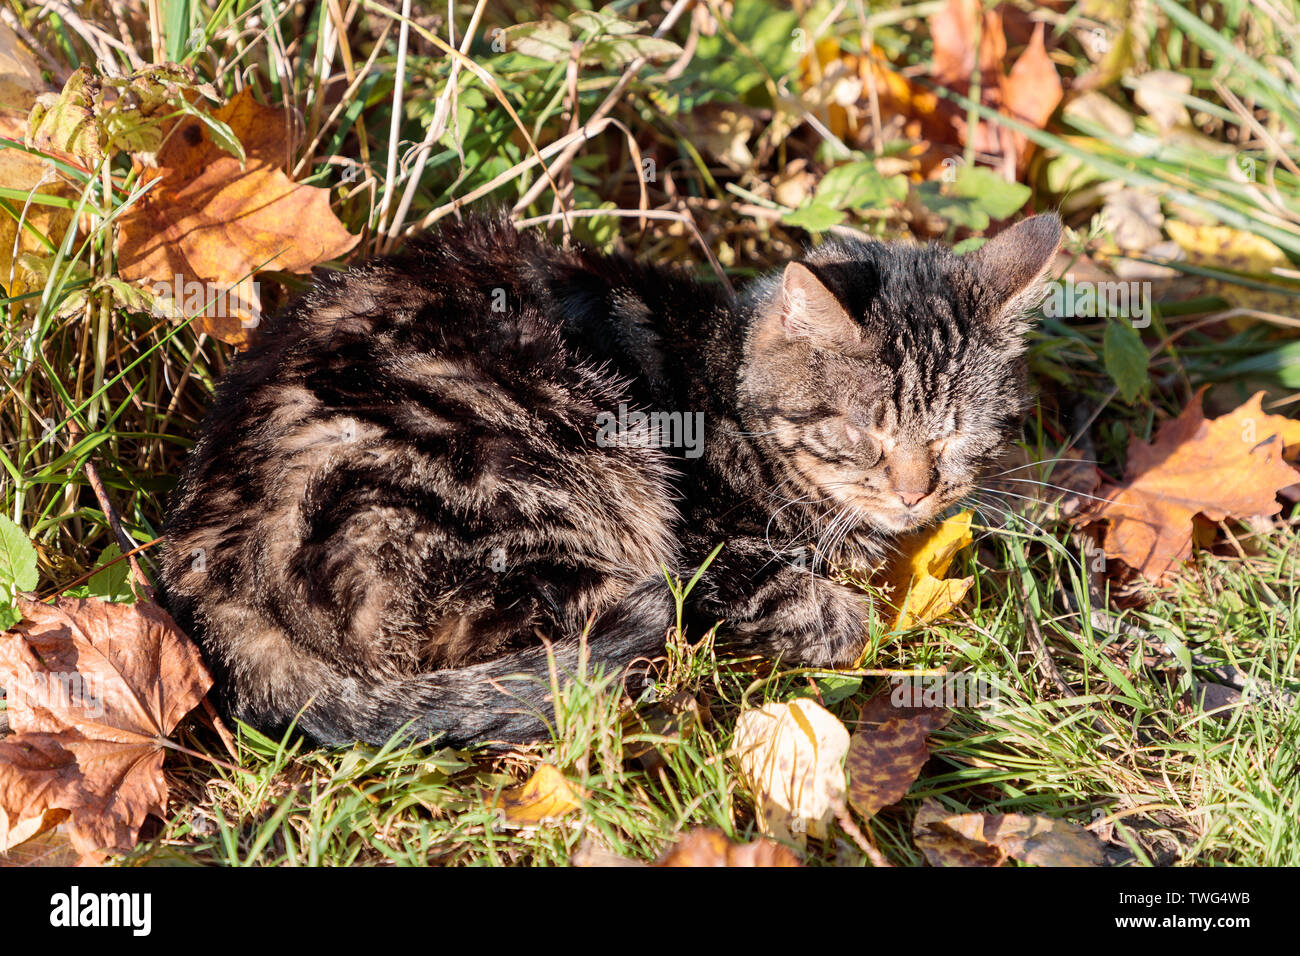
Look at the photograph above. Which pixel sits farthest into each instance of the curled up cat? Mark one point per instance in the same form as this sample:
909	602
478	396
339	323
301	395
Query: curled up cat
434	458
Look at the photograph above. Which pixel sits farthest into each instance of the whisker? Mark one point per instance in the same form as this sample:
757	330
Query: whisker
1045	461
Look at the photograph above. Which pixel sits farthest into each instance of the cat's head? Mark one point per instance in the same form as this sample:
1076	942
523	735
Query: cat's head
884	377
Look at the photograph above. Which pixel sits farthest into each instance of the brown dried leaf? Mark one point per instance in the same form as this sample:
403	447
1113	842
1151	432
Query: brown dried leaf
1230	467
945	845
1030	92
93	691
705	846
20	84
211	220
887	752
51	847
986	839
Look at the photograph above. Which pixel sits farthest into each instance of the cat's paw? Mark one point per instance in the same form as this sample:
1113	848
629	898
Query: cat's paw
819	624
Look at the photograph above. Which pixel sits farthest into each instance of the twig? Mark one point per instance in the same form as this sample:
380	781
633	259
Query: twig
103	567
1034	634
846	823
607	104
114	520
220	727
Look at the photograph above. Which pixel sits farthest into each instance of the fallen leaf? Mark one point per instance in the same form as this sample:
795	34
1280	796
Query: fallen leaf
1225	248
1133	218
887	752
20	85
213	221
914	577
1162	94
20	75
50	848
986	839
945	845
63	124
1230	467
543	797
93	690
1032	90
791	758
703	846
1029	92
14	832
709	847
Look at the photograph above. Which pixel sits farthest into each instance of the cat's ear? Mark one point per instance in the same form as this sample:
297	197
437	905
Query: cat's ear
810	312
1010	266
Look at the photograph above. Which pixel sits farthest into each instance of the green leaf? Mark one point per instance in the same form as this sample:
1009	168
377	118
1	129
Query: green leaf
836	689
956	209
1126	358
814	216
111	583
618	51
989	191
221	133
17	557
548	40
859	184
968	245
17	569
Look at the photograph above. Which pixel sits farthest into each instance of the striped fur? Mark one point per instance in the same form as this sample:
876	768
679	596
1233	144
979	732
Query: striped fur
404	484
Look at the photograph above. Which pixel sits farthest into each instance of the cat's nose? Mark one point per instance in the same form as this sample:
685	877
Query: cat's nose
910	498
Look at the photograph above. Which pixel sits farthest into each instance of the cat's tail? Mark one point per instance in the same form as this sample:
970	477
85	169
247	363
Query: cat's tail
507	700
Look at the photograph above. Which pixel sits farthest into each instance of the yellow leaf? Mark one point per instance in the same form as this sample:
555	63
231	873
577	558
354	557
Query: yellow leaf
20	84
544	796
915	576
20	76
791	758
1222	247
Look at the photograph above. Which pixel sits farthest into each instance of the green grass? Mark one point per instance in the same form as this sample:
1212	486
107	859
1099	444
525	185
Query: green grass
1125	746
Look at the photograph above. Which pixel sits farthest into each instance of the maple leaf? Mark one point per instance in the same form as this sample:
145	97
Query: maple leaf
1230	467
214	221
887	752
914	576
1029	92
93	691
987	839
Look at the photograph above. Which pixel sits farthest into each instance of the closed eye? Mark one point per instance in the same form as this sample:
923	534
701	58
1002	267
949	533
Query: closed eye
867	446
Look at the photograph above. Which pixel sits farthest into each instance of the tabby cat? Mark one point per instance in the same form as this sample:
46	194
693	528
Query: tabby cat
435	460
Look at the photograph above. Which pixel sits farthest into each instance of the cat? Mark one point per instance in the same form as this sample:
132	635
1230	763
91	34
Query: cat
435	460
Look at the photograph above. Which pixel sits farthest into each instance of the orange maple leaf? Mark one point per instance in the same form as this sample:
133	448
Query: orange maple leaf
1230	467
1029	92
213	222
